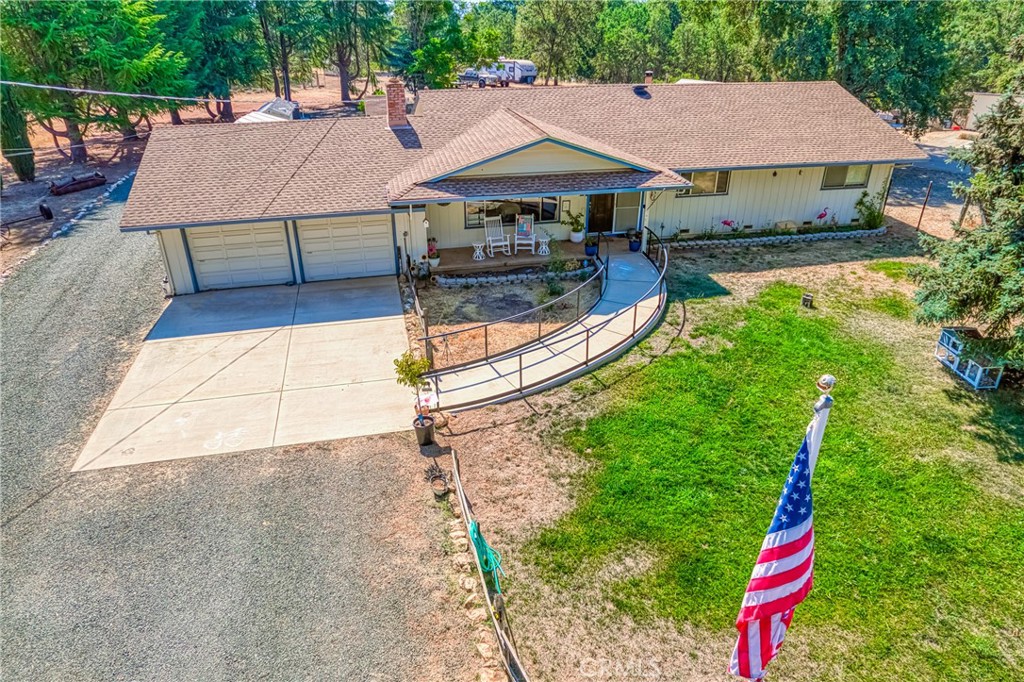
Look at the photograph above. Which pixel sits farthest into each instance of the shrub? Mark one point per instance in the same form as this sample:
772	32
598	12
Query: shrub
869	208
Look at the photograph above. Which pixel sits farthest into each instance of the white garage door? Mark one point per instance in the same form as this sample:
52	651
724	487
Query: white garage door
354	246
231	256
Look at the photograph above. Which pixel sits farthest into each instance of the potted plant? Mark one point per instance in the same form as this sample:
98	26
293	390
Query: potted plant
634	240
433	257
574	221
409	371
590	246
438	481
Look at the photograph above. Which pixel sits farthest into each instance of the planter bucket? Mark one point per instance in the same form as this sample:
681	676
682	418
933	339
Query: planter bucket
440	488
634	246
590	250
575	237
424	431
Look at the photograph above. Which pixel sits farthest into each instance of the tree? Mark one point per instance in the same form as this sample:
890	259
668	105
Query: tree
794	40
219	39
557	33
978	35
102	45
431	47
625	51
353	35
289	35
892	55
979	273
14	138
494	22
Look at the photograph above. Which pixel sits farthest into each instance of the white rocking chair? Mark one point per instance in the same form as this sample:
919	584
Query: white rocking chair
525	235
496	236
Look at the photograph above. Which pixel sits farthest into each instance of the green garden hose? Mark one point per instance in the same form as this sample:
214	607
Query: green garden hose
490	560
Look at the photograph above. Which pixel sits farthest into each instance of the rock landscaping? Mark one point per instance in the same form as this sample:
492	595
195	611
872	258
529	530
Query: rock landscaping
774	239
451	281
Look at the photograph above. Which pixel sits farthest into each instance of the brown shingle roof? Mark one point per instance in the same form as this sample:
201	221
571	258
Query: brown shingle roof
221	173
499	133
451	189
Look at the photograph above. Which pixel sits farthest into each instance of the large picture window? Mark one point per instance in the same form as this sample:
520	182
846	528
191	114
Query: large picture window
705	183
842	177
543	210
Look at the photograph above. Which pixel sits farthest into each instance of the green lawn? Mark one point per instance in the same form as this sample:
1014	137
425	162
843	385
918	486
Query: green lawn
920	565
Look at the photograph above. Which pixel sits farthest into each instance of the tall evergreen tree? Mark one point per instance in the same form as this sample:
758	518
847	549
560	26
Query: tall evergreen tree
103	45
353	35
979	273
220	41
14	138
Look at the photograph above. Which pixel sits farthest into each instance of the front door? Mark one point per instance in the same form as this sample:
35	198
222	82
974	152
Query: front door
601	213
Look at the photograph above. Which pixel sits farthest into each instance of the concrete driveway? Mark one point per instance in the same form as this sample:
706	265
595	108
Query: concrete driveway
242	369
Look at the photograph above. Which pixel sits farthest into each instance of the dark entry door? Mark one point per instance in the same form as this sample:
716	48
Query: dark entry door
602	213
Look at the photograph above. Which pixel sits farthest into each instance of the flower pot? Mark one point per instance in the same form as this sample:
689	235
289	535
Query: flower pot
424	430
576	237
440	488
634	245
434	262
590	250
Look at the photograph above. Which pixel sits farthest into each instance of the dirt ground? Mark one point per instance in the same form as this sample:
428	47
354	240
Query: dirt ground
520	480
453	309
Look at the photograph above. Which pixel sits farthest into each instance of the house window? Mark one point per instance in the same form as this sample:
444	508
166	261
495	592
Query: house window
705	183
842	177
543	210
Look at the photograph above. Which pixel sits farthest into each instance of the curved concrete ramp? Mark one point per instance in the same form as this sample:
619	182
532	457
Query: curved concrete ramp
632	303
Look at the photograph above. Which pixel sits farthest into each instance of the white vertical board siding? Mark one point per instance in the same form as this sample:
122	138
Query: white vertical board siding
345	247
175	261
760	199
546	157
448	223
230	256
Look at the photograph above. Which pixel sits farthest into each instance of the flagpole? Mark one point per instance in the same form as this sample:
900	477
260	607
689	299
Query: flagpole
816	429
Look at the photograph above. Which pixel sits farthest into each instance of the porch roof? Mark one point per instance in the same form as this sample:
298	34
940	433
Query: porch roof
592	182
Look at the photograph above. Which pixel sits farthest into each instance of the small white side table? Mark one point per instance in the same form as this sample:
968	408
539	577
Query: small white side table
543	249
478	250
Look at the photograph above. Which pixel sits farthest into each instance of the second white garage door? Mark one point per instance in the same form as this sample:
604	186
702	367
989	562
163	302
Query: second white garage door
355	246
248	255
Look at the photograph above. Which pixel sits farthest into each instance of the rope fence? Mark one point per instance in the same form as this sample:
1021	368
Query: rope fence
488	566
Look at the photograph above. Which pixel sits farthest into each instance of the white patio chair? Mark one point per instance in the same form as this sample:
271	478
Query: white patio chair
525	234
496	236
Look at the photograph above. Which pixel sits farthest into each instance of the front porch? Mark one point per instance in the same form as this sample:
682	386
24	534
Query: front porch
459	260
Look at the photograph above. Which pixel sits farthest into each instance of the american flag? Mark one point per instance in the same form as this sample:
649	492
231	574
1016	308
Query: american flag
784	571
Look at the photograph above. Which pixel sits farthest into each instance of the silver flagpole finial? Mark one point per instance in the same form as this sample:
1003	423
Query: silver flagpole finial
825	384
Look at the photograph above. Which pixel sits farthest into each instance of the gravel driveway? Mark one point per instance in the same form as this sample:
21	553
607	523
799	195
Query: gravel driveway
311	562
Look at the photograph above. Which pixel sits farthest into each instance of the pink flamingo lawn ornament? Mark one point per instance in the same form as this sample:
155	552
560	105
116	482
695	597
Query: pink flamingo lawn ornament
823	214
729	223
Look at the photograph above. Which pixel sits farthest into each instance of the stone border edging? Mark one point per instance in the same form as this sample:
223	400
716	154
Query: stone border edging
68	225
460	281
776	239
88	206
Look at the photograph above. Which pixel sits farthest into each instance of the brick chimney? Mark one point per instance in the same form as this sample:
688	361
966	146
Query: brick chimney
648	77
395	90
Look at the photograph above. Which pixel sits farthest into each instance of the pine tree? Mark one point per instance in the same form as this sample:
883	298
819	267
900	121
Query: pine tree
14	138
109	45
979	273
